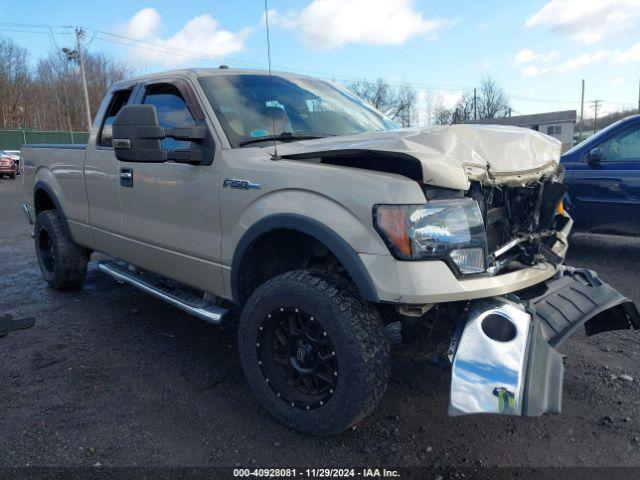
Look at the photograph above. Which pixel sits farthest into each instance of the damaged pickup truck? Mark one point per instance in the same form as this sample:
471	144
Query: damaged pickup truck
291	202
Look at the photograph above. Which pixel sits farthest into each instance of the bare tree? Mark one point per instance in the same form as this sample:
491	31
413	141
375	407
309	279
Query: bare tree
395	102
14	78
463	110
441	113
489	101
608	119
48	96
492	101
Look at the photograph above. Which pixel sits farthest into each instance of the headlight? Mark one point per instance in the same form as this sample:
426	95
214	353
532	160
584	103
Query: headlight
450	230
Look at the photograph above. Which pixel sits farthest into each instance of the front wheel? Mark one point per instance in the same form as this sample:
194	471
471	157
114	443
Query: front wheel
315	355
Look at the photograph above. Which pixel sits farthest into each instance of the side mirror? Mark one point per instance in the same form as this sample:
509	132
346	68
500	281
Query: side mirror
137	137
595	155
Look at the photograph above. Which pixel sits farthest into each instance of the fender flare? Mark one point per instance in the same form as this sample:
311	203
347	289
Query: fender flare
345	254
40	185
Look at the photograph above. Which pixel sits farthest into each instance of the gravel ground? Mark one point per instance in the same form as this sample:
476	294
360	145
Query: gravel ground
111	376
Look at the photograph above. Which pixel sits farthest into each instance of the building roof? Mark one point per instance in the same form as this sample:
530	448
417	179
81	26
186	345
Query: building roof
534	119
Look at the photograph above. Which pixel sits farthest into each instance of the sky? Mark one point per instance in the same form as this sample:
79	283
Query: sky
538	50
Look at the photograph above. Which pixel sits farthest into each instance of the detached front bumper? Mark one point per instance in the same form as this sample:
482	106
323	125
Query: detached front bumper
504	357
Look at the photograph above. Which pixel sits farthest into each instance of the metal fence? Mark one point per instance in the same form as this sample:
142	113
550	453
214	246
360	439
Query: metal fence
14	139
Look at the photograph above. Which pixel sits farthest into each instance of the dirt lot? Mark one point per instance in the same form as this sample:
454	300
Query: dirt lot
110	376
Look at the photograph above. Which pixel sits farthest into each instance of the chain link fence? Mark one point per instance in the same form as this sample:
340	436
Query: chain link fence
13	139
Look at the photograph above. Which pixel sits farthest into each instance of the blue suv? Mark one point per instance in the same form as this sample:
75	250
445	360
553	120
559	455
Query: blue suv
603	176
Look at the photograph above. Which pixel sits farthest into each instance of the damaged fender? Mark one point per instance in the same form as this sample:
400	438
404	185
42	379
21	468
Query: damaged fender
504	355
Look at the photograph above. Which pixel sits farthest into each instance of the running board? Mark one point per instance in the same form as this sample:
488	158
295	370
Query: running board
166	290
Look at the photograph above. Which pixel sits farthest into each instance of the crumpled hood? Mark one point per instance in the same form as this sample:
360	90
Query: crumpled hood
453	155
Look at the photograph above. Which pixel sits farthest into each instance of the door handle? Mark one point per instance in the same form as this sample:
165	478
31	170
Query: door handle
126	177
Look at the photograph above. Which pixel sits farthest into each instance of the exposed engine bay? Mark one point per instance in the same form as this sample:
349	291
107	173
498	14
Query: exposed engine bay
521	223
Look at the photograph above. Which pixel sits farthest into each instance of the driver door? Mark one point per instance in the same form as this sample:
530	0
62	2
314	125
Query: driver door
607	190
170	211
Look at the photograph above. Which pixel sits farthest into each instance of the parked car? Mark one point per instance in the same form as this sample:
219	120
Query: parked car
15	154
8	165
288	200
603	176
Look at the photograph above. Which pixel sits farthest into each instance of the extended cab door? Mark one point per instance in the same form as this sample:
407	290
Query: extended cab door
606	188
170	211
102	175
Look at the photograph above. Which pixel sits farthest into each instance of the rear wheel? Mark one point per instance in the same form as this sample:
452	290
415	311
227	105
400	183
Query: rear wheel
315	355
62	262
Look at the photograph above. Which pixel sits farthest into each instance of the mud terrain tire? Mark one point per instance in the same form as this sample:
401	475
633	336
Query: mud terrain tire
62	262
341	323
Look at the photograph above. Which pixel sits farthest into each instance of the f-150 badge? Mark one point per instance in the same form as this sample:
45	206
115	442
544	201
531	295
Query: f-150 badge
240	184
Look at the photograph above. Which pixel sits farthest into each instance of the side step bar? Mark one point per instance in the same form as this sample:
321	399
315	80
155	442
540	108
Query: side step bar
164	290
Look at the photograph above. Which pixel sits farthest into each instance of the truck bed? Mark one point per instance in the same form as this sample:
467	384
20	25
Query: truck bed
57	169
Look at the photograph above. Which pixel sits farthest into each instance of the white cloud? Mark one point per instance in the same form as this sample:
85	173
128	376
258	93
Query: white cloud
330	24
200	35
529	56
533	71
587	21
617	81
144	24
627	56
582	60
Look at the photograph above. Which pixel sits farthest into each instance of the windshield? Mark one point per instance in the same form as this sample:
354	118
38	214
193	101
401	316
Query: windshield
250	107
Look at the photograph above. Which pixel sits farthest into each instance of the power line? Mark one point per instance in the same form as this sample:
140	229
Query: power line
176	50
24	31
30	25
188	53
199	55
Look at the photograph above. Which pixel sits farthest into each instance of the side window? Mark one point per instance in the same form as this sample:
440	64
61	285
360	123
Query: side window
623	147
172	112
118	100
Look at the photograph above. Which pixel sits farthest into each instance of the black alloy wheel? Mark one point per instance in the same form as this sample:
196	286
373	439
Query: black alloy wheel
297	358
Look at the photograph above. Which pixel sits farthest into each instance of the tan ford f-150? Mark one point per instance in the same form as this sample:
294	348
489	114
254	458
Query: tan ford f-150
288	200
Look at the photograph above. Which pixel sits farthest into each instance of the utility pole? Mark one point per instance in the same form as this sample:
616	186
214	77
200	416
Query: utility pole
475	108
581	114
595	106
79	37
76	56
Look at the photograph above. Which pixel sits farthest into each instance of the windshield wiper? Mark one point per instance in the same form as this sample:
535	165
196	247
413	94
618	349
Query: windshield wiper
284	136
